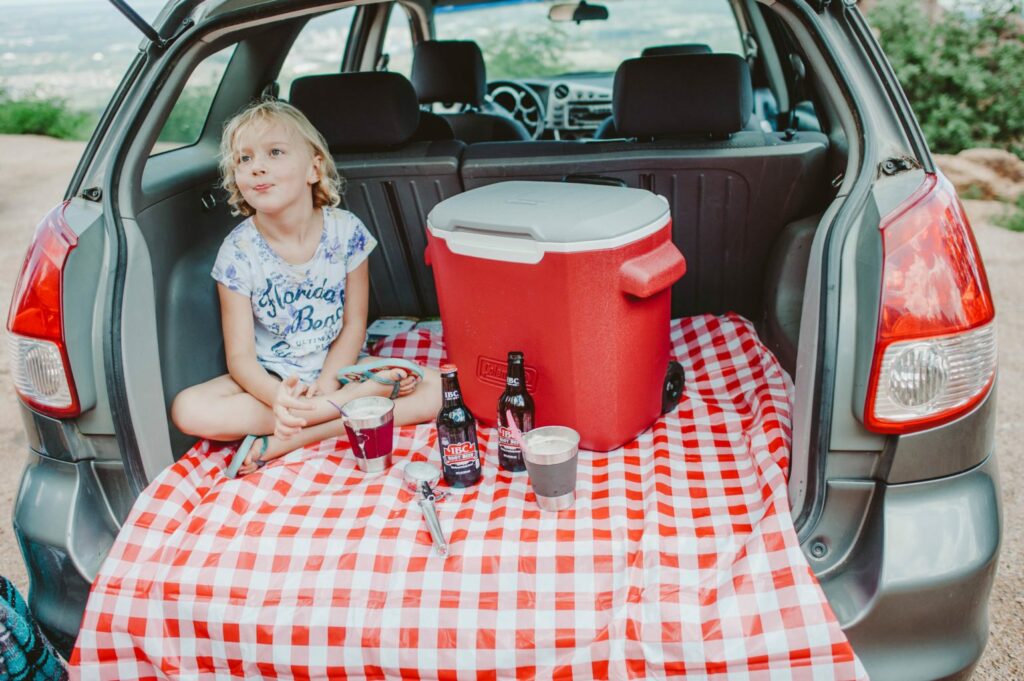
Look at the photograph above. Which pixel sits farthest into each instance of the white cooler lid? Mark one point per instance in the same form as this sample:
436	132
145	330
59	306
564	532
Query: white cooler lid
521	220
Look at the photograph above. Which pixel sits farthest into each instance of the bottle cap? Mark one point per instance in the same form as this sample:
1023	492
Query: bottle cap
515	355
448	368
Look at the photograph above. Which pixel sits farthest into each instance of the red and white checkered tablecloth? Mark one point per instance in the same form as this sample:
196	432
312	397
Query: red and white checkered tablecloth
679	557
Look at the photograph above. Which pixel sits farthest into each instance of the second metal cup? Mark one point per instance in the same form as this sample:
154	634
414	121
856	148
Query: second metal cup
551	454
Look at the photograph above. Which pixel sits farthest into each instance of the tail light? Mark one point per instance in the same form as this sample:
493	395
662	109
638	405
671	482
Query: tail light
39	358
935	352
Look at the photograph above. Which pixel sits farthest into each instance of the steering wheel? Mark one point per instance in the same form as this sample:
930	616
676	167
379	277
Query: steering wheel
519	101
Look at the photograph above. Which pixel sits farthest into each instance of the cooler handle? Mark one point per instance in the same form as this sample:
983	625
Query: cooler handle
652	272
511	247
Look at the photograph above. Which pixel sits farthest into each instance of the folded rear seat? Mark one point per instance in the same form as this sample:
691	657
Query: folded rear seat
397	162
731	190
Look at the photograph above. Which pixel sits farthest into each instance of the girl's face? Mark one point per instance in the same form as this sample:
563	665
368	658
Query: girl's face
274	168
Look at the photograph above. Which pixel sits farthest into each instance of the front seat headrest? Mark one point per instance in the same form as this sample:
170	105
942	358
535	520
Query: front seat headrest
450	71
359	110
708	94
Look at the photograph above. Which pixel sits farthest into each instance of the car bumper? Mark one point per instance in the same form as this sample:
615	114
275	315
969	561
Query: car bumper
65	529
913	596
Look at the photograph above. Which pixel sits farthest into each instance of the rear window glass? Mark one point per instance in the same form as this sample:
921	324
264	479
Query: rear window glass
183	127
318	49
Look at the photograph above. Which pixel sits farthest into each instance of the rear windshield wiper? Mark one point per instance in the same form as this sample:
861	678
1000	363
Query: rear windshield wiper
147	30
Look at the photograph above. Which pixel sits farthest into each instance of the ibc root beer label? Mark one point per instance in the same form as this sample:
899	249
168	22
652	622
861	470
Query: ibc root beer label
510	454
460	462
459	453
506	440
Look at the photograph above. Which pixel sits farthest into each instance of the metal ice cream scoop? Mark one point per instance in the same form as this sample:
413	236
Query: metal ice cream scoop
420	477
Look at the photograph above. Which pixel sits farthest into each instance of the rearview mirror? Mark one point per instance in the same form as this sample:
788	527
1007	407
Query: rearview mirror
578	12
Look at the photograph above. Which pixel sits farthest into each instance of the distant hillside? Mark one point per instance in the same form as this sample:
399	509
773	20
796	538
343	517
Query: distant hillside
74	49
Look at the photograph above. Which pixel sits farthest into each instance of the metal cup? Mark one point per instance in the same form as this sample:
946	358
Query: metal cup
370	425
551	454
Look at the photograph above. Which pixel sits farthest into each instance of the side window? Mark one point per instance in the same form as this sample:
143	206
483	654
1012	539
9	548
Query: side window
318	49
397	52
185	123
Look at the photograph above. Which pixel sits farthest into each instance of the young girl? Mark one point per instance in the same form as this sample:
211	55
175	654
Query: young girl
294	287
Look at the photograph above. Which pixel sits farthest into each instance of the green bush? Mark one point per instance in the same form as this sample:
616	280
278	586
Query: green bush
526	52
186	120
1013	219
37	116
963	72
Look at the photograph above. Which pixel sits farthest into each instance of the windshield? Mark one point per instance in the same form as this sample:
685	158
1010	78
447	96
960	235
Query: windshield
519	41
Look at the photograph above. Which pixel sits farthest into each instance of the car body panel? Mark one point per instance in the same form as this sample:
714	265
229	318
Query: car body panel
65	528
930	547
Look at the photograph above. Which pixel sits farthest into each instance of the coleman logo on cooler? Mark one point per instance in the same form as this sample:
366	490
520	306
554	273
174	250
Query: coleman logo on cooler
458	452
494	371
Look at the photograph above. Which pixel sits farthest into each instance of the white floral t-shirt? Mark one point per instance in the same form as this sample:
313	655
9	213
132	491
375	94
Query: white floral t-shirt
297	309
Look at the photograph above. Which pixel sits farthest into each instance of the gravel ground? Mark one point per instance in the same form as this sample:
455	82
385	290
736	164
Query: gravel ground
34	172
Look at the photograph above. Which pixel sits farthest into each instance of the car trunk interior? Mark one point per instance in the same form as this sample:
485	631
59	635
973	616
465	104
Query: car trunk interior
184	231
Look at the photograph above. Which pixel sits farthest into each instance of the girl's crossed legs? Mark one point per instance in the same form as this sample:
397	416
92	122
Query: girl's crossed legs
220	409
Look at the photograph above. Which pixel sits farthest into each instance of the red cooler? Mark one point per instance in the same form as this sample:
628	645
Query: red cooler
578	277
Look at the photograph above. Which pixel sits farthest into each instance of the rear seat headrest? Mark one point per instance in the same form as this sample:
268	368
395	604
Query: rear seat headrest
682	95
681	48
359	110
450	71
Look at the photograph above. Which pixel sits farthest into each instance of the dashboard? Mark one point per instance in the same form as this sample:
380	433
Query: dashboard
562	107
573	106
574	109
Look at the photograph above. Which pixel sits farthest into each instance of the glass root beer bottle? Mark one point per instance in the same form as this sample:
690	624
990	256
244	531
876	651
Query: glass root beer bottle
517	400
456	434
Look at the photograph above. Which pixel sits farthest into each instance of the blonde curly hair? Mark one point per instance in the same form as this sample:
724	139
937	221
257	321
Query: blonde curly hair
326	191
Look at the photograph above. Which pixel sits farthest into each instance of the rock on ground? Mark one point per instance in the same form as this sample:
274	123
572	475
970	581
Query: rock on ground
988	174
